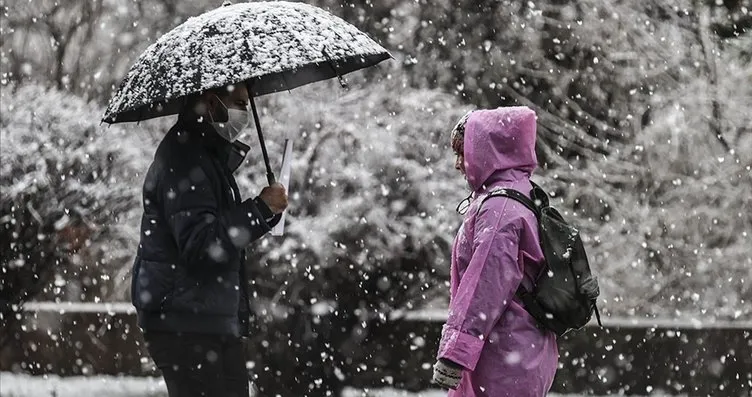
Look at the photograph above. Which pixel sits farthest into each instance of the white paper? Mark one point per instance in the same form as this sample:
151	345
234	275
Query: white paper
284	179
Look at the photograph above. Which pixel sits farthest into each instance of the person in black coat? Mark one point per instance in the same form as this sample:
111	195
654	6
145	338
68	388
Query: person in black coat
189	285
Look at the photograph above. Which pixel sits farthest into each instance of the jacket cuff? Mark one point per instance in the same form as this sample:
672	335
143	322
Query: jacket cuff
264	209
270	217
274	221
459	347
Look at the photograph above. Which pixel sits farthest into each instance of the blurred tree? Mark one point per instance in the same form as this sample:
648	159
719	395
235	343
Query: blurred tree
69	200
83	46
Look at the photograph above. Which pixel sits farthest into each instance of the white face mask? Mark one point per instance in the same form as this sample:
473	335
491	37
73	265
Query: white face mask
237	120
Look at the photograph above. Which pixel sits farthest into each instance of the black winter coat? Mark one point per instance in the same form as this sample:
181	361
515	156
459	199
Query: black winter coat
188	275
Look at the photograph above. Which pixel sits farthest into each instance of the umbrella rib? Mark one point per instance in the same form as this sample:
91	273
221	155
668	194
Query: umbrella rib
342	81
284	80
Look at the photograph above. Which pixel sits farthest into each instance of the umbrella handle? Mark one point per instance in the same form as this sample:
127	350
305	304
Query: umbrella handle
269	174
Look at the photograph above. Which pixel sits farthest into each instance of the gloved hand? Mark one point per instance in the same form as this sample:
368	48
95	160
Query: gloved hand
447	374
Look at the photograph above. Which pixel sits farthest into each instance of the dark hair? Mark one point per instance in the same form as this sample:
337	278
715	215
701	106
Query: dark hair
458	133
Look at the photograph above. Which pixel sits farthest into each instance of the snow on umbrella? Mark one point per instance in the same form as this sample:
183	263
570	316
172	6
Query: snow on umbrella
270	46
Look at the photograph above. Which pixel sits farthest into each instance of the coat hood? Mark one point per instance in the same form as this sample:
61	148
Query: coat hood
499	145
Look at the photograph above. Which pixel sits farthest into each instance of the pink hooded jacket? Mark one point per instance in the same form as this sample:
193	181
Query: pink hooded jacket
488	332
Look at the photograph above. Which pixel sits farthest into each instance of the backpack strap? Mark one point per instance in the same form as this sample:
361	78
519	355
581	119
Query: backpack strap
521	292
514	195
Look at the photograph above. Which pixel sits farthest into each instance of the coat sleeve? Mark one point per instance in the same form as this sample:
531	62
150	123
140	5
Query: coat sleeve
206	234
485	289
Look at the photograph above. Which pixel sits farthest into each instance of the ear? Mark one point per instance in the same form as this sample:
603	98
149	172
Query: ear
214	108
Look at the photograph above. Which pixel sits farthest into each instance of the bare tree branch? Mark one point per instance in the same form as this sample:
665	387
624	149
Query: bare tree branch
709	52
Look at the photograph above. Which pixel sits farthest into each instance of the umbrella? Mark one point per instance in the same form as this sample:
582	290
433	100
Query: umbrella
270	46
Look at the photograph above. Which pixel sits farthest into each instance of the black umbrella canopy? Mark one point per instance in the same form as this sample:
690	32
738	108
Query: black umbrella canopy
271	46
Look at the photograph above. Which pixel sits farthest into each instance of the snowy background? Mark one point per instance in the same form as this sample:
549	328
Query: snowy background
645	141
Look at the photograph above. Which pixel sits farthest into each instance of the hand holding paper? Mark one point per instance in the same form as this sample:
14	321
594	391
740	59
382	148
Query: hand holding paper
284	179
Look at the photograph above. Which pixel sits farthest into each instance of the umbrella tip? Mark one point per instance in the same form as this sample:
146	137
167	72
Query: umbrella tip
226	3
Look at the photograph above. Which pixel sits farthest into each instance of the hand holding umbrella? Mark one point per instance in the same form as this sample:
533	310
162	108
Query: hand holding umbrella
275	197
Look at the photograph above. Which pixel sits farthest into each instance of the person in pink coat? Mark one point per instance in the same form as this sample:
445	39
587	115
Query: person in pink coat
490	346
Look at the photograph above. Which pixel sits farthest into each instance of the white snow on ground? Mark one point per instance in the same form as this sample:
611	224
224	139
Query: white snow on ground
439	314
18	385
435	314
80	307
